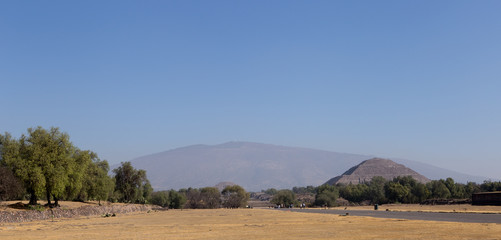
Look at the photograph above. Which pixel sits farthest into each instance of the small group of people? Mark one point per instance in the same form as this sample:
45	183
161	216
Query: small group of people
302	205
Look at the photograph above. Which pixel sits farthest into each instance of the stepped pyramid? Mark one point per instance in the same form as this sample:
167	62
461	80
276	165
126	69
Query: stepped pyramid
368	169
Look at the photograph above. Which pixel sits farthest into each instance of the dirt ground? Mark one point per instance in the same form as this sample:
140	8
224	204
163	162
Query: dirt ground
243	224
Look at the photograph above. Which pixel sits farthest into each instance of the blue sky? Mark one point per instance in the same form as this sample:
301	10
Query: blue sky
411	79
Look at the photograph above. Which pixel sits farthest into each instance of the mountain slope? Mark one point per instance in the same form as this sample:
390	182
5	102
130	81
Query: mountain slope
255	166
252	165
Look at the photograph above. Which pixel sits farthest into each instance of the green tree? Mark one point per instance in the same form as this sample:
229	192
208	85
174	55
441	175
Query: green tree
438	189
176	199
326	195
411	186
471	188
304	190
170	199
211	197
97	184
235	196
76	175
270	191
131	184
160	198
354	192
375	190
490	186
396	192
284	197
43	160
420	192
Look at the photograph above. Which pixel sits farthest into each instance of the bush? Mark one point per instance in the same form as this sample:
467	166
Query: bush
235	197
284	197
326	195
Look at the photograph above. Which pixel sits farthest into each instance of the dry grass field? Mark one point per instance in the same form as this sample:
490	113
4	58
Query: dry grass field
243	224
466	208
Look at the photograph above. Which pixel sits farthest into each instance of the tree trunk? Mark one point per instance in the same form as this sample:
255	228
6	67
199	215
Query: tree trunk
33	198
48	198
56	202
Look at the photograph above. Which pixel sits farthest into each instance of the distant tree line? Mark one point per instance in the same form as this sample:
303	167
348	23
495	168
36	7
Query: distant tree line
380	191
203	198
44	165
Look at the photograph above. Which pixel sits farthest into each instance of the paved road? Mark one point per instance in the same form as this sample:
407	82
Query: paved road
429	216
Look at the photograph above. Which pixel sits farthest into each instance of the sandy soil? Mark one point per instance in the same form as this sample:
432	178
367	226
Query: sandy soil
430	208
244	224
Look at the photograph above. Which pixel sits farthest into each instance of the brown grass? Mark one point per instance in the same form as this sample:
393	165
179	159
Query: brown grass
244	224
430	208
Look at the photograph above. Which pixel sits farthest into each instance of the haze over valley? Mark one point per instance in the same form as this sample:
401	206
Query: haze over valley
257	166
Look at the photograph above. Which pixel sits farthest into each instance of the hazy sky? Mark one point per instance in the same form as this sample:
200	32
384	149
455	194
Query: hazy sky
419	80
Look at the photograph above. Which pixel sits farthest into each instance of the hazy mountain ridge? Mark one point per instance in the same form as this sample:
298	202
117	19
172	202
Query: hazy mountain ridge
257	166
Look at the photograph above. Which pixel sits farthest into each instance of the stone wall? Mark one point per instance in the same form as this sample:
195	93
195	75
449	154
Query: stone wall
35	215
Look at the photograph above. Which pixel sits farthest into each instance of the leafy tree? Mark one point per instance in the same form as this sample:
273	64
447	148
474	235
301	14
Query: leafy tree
489	186
193	198
354	192
438	189
176	199
270	191
396	192
43	161
97	185
326	195
10	186
304	190
284	197
160	198
235	196
420	193
145	191
412	187
76	175
211	197
132	184
471	188
208	197
170	199
375	190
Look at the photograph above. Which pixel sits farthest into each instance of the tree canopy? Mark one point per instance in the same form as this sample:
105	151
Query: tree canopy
235	196
284	197
44	160
132	184
46	164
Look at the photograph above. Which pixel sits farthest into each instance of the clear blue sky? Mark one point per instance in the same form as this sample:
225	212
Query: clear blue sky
419	80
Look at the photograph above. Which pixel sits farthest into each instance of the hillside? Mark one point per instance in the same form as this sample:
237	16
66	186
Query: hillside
257	166
368	169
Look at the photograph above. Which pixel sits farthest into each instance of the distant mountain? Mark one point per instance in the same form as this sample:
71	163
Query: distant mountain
433	172
255	166
366	170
